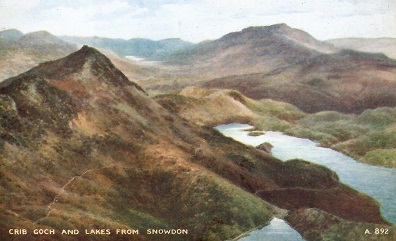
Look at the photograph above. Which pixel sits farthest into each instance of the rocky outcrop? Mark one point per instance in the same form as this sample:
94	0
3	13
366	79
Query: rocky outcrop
266	147
314	224
307	185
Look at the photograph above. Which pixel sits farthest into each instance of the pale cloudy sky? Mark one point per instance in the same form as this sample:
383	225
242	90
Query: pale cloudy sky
200	19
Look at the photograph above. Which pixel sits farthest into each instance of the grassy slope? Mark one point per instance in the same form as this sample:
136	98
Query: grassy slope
369	137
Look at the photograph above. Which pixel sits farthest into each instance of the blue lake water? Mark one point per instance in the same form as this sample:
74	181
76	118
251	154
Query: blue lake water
377	182
277	230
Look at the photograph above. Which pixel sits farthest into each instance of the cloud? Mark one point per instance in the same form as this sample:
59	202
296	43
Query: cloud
200	19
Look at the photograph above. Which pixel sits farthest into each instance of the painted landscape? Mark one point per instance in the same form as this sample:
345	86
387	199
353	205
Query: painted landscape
107	138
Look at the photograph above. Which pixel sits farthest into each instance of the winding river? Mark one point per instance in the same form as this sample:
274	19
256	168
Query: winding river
378	182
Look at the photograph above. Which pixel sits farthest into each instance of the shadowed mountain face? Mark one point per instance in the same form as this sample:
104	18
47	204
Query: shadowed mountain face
286	64
82	147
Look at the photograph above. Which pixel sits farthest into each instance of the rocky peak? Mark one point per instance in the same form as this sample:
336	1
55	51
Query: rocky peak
83	66
85	59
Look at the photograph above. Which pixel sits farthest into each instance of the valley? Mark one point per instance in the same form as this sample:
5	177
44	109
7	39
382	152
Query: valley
91	140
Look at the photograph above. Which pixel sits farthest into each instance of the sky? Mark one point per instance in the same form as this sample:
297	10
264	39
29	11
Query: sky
198	20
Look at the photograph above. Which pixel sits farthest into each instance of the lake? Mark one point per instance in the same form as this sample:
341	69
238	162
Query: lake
377	182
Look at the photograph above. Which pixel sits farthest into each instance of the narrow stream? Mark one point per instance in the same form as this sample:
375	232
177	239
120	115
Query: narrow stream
377	182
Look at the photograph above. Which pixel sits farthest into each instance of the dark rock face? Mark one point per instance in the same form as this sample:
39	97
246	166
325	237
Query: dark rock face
266	147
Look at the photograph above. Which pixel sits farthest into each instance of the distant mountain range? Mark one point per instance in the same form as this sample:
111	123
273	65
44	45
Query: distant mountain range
276	62
252	50
286	64
144	48
386	46
83	147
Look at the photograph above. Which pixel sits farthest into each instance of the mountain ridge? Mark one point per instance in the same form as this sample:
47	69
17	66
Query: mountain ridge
86	149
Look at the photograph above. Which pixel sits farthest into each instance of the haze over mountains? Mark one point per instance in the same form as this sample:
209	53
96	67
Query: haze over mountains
140	47
386	46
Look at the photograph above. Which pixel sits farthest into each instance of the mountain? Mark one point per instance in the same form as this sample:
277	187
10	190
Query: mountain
252	50
348	82
285	64
140	47
386	46
83	147
10	34
42	40
22	52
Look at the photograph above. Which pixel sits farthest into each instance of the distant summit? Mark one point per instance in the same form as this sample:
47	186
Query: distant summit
10	34
42	39
251	50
